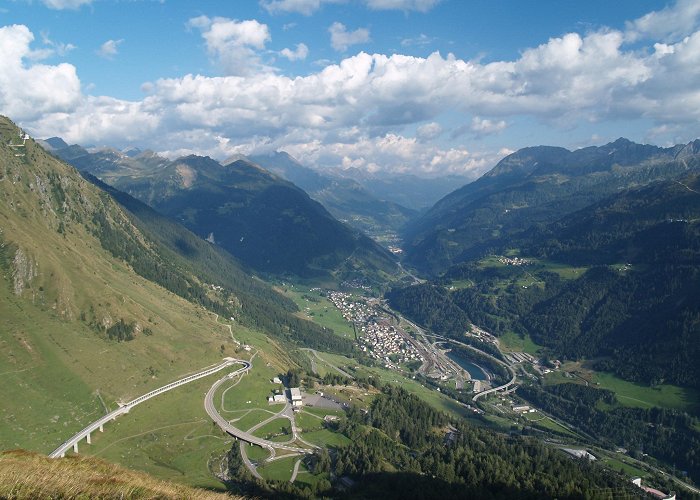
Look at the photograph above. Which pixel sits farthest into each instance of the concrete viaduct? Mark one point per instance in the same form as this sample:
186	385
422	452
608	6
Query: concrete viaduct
99	424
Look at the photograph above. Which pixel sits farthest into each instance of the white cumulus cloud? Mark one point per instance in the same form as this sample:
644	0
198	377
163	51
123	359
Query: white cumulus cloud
233	44
299	53
109	49
673	21
341	38
363	110
481	126
27	91
58	48
305	7
429	131
65	4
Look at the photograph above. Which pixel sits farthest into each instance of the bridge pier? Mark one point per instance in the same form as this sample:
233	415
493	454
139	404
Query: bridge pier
102	428
75	447
89	441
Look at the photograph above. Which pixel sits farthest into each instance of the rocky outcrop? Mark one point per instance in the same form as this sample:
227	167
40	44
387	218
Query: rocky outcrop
24	270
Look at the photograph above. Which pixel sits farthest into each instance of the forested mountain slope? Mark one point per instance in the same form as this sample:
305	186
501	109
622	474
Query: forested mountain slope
345	198
268	223
535	185
634	299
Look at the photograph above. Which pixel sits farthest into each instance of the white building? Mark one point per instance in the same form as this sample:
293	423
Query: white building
277	398
295	395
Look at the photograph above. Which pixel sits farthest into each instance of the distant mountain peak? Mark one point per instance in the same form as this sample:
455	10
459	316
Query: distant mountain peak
131	151
233	158
622	141
56	143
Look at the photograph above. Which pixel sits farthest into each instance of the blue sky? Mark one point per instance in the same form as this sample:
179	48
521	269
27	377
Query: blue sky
424	86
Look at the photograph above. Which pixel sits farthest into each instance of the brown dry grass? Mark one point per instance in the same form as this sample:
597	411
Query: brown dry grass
25	474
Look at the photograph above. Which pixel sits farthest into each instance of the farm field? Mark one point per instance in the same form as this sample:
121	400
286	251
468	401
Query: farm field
317	308
629	394
511	341
641	396
278	470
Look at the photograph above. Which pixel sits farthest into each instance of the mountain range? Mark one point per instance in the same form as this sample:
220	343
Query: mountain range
609	245
534	186
344	197
265	221
117	277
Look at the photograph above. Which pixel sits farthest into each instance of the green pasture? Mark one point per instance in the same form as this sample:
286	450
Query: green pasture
511	341
276	427
279	470
319	310
641	396
169	436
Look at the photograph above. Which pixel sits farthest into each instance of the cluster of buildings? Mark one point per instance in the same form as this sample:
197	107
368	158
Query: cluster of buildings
360	284
382	341
353	310
519	357
292	395
378	338
513	261
483	335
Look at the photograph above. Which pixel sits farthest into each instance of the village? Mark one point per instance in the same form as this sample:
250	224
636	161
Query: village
514	261
377	336
380	340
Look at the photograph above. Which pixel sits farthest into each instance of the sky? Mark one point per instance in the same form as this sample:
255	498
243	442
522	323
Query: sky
428	87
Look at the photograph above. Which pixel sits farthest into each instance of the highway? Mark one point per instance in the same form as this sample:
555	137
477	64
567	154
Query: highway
226	426
492	358
495	389
251	467
99	424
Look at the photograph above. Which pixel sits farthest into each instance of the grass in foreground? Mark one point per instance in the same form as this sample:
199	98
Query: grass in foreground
30	475
170	437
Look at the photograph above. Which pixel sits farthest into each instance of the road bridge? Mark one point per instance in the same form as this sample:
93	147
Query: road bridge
226	426
99	424
487	355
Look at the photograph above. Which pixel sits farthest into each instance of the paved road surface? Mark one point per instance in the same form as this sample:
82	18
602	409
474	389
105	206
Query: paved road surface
226	426
342	372
247	462
295	471
99	424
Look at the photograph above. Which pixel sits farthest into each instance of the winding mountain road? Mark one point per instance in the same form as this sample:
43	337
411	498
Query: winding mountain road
226	426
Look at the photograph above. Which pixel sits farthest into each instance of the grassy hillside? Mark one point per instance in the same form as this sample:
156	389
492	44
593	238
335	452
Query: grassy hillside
60	294
29	475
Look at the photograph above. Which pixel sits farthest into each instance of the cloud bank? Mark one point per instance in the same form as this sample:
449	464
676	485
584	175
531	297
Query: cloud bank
373	111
